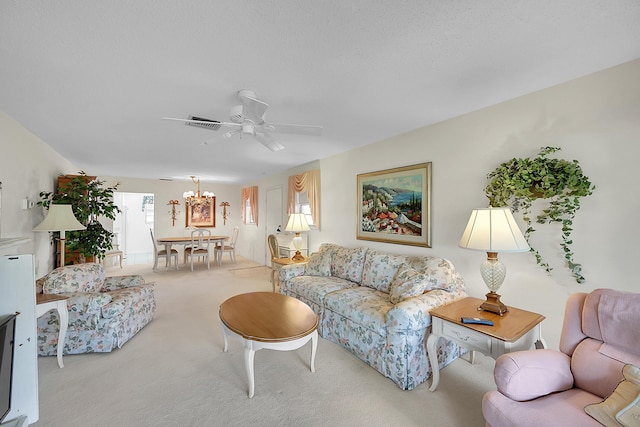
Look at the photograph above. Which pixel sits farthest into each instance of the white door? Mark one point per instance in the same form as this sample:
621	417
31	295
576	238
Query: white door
132	225
274	218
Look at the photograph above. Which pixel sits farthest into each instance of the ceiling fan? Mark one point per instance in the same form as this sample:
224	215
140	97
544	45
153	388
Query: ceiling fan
248	118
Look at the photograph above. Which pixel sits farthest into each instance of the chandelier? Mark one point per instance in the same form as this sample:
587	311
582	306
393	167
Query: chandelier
192	198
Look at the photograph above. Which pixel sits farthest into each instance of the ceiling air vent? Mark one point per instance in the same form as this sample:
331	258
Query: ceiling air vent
205	123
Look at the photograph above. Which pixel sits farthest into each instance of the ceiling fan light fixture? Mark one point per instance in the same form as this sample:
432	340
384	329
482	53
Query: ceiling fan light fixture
236	114
249	128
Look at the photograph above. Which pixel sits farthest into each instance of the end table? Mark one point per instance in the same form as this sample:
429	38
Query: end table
48	302
276	265
514	330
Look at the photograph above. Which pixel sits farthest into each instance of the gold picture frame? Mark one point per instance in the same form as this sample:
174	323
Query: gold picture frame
202	213
394	205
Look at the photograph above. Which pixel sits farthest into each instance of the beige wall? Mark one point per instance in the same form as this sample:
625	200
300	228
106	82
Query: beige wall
27	167
594	119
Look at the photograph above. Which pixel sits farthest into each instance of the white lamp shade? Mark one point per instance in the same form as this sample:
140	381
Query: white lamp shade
297	222
493	230
59	218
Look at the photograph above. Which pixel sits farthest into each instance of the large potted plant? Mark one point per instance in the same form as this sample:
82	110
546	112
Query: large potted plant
89	199
517	183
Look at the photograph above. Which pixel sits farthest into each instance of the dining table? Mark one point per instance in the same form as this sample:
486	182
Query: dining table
186	240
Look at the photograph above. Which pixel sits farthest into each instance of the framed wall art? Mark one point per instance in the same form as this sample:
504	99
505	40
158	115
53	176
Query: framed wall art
201	212
394	205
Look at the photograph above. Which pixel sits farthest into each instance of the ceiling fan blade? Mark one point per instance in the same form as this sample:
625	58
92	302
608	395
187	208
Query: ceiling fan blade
202	123
266	140
254	109
295	129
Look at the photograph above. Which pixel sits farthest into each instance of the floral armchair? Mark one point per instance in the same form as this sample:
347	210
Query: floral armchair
104	312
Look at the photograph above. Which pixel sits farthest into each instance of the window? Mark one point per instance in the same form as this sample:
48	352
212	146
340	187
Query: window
304	196
248	216
249	197
148	208
303	207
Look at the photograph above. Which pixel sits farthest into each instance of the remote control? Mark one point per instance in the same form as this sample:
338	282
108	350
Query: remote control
476	321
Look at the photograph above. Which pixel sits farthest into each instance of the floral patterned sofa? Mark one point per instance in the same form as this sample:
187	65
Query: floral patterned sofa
376	305
104	312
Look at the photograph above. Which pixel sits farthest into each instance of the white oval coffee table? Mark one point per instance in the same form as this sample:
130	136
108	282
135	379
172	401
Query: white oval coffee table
268	320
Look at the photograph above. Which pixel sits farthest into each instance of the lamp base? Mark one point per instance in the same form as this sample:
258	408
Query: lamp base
493	304
297	256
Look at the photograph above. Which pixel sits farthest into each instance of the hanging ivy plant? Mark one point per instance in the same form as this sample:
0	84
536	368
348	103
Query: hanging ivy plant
518	182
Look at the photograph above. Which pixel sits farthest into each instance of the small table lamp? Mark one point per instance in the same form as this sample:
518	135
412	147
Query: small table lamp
493	230
297	223
60	218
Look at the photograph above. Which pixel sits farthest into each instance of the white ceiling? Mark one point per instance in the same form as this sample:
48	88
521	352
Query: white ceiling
93	78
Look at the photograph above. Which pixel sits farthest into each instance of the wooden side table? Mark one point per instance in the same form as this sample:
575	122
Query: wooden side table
514	330
48	302
276	265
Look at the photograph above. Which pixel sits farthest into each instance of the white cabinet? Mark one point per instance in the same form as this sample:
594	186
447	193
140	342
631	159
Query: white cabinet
18	295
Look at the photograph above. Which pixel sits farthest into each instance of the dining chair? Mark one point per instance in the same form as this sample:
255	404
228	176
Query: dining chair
114	252
160	253
199	248
187	232
229	247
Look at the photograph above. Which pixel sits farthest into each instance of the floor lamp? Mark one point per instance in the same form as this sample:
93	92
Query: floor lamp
60	218
493	230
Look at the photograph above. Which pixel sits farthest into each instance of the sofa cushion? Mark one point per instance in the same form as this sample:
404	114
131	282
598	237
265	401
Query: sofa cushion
557	409
407	283
124	299
313	288
319	264
347	263
380	268
364	306
621	401
439	271
87	277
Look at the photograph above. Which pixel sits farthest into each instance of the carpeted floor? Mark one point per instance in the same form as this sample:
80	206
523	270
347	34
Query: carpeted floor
174	373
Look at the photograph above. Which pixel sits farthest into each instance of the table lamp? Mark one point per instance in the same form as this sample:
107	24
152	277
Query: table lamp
493	230
297	223
60	218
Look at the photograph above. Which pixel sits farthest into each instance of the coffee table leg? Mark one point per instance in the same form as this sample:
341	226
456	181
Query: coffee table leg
224	337
248	363
314	346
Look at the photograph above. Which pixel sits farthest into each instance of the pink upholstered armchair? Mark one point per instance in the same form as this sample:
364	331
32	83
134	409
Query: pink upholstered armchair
600	334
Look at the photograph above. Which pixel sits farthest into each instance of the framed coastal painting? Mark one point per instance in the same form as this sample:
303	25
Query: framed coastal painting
394	205
202	213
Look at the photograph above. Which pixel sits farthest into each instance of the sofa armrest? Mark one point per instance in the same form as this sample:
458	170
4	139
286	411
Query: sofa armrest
85	308
124	299
288	272
120	282
81	302
529	374
414	313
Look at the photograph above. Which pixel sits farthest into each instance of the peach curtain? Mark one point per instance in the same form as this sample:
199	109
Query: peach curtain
310	182
251	194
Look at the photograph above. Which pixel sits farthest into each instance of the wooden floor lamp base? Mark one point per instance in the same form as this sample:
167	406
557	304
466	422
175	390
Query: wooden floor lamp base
493	304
